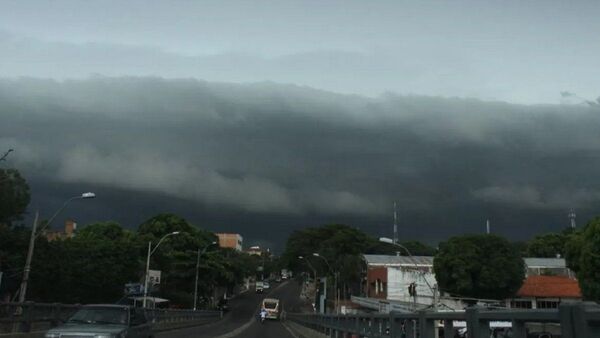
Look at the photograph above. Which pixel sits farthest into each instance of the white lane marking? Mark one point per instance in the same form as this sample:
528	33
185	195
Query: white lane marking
252	319
289	330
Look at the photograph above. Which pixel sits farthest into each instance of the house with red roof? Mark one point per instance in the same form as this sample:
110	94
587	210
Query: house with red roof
546	292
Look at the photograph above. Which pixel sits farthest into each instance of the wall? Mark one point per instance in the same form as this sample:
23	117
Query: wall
233	241
376	275
399	278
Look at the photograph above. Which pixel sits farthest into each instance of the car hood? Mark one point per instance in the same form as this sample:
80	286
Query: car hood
89	328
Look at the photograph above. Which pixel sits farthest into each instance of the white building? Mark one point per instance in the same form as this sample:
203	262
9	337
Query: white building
389	278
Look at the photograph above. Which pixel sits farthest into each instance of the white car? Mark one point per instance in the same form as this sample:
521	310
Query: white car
259	287
273	307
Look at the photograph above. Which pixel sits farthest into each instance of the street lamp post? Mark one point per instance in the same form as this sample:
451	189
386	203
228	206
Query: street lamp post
314	272
390	241
150	252
312	268
27	269
200	253
335	276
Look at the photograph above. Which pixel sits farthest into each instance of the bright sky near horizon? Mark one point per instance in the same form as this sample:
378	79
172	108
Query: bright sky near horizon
515	51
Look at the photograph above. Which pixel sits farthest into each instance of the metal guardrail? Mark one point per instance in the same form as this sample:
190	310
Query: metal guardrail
30	316
573	320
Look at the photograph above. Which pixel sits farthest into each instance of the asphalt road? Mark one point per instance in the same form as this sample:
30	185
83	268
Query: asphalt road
241	321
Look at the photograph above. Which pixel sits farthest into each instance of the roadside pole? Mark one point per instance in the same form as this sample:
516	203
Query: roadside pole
196	283
147	269
23	289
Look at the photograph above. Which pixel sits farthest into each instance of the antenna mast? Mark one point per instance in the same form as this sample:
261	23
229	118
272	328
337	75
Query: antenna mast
572	217
395	224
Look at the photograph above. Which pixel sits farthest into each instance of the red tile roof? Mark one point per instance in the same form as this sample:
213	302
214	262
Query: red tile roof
550	287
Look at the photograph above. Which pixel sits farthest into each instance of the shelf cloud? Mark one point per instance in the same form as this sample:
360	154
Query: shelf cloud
271	149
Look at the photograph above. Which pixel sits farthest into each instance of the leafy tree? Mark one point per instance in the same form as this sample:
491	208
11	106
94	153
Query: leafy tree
521	247
583	256
176	257
332	241
479	266
548	245
92	267
13	247
342	247
14	195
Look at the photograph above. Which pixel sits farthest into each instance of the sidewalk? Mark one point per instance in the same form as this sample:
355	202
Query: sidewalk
307	295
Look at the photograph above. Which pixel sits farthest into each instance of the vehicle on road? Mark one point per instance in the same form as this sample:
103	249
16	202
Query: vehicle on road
105	321
263	315
266	285
259	287
273	308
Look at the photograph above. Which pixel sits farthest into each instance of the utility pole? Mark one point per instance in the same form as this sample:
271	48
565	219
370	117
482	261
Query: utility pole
23	289
200	252
196	283
150	252
146	275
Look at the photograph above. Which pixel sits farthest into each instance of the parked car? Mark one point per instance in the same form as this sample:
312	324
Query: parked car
266	285
105	321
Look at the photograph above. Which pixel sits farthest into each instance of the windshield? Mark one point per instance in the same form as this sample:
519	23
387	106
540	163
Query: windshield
100	315
270	305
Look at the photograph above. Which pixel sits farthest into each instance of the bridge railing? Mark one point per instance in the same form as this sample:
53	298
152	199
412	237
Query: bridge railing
571	320
31	317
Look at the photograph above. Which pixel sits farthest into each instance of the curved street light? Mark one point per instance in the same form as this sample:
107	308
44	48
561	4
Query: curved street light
313	269
335	276
150	252
35	234
200	253
85	195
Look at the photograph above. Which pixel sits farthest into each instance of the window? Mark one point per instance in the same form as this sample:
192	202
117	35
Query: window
521	304
547	304
378	288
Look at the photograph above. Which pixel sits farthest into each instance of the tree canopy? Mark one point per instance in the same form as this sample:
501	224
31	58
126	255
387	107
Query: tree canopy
548	245
14	195
583	256
95	264
479	266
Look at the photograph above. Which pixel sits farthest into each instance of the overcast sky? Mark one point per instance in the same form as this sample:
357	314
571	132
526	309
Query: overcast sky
516	51
264	117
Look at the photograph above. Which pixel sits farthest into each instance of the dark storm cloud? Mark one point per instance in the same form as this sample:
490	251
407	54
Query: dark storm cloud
268	149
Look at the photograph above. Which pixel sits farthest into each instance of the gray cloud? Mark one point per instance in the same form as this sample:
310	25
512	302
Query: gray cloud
528	197
269	149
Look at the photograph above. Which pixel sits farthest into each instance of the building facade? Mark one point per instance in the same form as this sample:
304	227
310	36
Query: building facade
400	278
548	282
231	241
68	232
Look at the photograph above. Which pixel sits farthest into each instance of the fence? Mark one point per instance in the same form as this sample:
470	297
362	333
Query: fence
572	320
30	316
